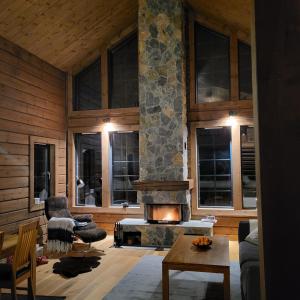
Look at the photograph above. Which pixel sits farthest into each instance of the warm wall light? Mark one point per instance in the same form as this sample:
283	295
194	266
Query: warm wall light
231	121
108	127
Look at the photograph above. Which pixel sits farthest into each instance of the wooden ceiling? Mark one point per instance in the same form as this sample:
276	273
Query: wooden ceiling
236	13
67	33
64	32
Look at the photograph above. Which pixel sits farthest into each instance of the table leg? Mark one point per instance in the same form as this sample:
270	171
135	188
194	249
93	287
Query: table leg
165	281
227	284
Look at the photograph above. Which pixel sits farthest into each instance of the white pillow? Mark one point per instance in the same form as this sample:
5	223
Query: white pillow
252	237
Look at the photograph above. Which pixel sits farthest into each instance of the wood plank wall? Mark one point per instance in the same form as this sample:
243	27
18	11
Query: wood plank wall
32	103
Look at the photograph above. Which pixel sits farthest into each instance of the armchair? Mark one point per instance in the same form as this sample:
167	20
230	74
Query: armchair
58	207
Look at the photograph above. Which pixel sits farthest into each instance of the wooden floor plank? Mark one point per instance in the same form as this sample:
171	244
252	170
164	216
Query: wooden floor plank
115	264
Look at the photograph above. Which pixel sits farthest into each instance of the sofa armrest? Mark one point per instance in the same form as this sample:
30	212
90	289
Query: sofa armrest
83	218
244	230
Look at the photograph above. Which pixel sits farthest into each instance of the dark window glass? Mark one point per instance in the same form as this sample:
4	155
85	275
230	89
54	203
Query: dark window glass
212	68
248	167
87	88
123	73
88	169
214	167
42	172
125	166
245	71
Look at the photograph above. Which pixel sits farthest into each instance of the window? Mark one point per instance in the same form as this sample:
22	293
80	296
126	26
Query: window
43	181
87	88
248	167
214	167
245	71
125	166
88	169
43	172
123	74
212	69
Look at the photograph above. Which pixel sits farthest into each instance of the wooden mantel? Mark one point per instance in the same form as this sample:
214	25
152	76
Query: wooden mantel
155	185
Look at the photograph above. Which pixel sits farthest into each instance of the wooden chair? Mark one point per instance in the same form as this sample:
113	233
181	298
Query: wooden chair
24	262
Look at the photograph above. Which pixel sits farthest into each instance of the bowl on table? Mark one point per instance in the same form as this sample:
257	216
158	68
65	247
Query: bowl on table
202	242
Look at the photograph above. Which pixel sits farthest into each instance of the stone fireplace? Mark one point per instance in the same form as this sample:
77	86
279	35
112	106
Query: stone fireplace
163	213
163	180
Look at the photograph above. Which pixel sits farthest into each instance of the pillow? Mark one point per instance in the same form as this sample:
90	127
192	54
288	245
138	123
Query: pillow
252	237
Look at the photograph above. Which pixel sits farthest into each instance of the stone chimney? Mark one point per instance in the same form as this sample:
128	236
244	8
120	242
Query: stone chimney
163	131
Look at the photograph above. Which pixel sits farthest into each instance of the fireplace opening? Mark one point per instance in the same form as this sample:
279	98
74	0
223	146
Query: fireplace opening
164	213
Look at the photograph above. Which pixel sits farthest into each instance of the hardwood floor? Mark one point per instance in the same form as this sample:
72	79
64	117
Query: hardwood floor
115	264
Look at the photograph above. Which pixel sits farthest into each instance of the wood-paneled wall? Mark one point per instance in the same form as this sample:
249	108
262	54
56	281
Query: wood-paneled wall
32	103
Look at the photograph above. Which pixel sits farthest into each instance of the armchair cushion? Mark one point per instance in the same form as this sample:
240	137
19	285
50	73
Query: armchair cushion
88	226
83	218
92	235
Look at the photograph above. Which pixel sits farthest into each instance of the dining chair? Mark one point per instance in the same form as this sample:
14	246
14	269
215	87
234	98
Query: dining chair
24	262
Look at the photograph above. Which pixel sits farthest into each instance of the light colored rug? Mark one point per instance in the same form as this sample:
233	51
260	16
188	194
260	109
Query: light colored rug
143	282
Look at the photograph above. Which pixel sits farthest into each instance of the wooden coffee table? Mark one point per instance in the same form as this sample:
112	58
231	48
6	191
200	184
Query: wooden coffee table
183	256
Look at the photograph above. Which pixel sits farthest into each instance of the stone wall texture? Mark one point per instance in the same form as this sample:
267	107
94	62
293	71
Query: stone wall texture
163	132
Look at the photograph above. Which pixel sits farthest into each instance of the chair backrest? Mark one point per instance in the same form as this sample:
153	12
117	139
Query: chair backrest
26	245
1	239
57	207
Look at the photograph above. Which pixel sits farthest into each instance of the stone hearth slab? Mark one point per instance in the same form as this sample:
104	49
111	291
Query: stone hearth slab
160	235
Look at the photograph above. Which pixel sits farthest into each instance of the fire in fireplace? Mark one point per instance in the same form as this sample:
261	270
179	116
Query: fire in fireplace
164	213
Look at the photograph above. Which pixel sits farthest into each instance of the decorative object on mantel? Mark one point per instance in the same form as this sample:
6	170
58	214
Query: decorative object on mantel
156	185
209	218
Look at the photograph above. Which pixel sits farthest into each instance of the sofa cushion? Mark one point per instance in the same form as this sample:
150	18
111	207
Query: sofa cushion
252	237
250	280
248	252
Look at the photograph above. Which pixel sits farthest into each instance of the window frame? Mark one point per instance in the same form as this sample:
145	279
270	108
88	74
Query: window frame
54	166
224	37
76	168
110	51
243	43
237	200
231	170
242	190
234	35
111	171
107	206
75	100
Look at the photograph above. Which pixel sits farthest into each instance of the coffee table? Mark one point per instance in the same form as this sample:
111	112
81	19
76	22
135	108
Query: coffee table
183	256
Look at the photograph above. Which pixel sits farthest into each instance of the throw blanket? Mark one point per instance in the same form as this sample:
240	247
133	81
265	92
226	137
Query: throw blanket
60	234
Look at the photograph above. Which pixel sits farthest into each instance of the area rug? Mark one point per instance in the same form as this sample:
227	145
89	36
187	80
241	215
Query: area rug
73	266
143	282
24	297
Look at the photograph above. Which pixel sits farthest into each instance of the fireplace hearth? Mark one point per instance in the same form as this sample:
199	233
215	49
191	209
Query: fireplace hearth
163	213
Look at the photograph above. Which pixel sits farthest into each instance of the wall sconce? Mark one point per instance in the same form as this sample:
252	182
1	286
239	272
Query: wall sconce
232	113
108	126
232	118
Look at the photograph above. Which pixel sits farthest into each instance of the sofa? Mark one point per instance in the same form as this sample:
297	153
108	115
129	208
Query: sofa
249	263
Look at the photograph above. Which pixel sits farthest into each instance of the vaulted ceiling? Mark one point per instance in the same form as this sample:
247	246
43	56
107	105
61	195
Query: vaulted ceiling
66	32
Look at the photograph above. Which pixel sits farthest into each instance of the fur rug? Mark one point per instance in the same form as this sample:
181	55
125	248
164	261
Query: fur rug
72	266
